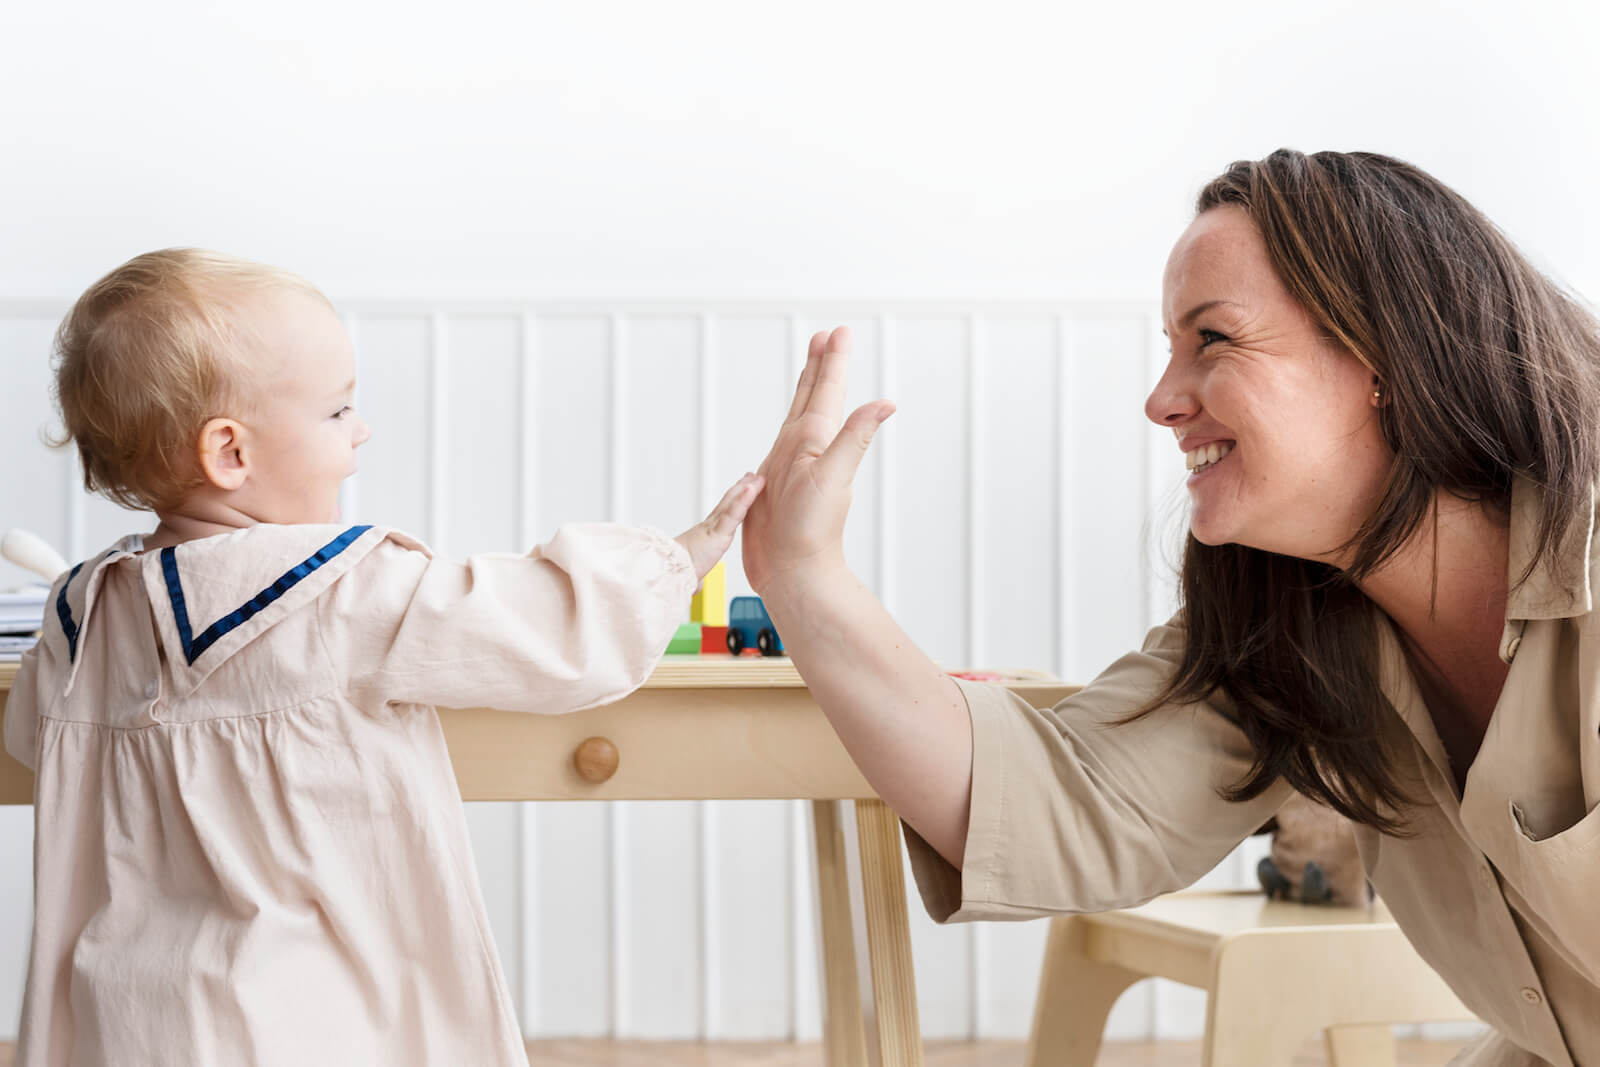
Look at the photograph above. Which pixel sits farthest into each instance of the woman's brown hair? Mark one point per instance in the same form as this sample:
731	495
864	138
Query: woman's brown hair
1489	373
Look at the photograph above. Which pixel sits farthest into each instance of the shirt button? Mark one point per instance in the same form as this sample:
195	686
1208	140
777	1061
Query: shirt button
152	690
1531	995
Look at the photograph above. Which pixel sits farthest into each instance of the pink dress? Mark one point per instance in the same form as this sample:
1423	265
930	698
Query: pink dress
249	844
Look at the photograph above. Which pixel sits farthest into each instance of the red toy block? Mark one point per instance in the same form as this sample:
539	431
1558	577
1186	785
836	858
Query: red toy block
713	639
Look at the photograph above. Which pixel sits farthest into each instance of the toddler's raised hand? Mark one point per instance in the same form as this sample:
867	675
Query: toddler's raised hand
709	539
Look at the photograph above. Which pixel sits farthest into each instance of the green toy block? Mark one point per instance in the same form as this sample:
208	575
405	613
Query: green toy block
687	639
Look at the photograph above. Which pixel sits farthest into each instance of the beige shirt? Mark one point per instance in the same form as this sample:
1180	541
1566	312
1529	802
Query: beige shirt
1498	890
249	845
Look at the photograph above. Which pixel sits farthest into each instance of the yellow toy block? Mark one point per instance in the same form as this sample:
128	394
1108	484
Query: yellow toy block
710	604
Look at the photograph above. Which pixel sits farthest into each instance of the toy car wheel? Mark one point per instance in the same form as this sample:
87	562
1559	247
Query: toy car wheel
735	641
767	642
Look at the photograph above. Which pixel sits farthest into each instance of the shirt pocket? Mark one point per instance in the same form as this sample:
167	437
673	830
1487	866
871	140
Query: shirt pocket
1566	846
1559	876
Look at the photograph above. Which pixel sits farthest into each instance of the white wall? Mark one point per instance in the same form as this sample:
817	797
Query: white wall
913	169
702	149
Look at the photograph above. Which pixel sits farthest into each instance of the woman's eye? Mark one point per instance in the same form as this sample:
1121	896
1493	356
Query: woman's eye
1209	337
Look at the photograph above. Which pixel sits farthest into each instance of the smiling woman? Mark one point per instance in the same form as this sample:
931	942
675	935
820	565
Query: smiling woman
1391	422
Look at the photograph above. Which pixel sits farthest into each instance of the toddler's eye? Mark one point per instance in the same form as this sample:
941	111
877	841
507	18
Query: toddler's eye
342	412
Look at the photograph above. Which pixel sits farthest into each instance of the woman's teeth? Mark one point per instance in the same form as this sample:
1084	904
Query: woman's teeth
1206	455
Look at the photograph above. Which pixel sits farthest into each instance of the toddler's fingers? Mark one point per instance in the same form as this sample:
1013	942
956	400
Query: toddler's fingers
735	504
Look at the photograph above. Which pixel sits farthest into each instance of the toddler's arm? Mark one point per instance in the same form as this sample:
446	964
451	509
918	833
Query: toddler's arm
577	622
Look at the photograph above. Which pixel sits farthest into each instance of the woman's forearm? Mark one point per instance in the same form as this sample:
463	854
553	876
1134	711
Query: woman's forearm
902	719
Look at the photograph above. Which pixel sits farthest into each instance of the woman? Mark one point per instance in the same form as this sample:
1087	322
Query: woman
1391	421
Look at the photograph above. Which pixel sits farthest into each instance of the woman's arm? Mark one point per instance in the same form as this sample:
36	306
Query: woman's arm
902	719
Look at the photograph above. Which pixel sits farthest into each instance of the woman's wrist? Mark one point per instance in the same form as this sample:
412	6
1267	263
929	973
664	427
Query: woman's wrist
804	581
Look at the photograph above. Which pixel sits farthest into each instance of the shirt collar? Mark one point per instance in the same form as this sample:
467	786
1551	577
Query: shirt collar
1558	586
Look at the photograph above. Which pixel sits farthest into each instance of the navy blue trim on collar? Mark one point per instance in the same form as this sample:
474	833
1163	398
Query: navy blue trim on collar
193	647
68	627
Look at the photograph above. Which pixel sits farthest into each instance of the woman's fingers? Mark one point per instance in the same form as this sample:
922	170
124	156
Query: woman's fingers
808	376
832	377
842	459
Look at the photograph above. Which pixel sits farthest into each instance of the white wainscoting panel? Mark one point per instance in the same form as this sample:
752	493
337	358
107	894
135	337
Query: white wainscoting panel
1017	511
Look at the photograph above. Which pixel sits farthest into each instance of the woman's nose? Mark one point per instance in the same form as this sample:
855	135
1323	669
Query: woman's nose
1172	400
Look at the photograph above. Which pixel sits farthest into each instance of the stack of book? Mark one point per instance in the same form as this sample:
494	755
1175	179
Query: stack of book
21	615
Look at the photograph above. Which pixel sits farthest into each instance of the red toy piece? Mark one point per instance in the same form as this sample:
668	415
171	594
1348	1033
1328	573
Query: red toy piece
713	639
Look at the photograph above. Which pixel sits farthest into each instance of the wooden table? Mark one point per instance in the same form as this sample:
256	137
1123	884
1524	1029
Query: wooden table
714	728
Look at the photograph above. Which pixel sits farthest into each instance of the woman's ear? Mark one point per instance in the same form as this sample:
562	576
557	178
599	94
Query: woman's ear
222	454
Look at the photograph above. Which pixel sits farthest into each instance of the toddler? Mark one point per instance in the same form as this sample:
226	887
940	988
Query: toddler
250	847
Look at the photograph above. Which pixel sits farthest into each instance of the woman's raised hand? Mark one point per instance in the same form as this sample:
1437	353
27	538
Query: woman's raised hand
798	520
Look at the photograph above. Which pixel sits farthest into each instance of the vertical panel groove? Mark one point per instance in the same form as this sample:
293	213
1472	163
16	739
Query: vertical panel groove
799	891
798	811
350	488
616	813
438	430
885	448
710	1023
1066	607
976	653
1155	606
526	533
1160	991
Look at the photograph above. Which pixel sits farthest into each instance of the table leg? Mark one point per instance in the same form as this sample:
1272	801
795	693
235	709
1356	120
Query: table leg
844	1038
896	1037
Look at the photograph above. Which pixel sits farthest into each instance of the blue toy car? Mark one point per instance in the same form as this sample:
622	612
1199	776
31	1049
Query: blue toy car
749	624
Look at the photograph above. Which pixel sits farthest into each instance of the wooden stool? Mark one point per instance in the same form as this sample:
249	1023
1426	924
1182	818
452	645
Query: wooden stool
1276	973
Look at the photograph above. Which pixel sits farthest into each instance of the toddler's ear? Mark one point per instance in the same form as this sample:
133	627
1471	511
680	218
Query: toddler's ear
222	453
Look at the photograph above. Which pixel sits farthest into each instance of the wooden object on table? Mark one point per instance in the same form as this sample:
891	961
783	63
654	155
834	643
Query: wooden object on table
1277	972
709	728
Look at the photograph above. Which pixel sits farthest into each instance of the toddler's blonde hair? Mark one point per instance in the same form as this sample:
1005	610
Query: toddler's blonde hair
145	358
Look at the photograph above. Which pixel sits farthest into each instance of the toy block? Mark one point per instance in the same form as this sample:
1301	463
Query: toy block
687	639
713	639
710	604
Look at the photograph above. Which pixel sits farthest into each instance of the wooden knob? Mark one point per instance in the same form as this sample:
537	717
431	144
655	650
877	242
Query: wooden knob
596	759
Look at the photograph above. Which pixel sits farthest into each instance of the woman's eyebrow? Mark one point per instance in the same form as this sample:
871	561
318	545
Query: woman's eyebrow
1187	318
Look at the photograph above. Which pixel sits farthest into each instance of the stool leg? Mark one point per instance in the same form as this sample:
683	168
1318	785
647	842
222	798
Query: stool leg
1359	1046
1075	996
1249	1021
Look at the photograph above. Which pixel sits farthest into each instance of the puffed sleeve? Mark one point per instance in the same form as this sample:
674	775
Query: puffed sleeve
577	622
1074	812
